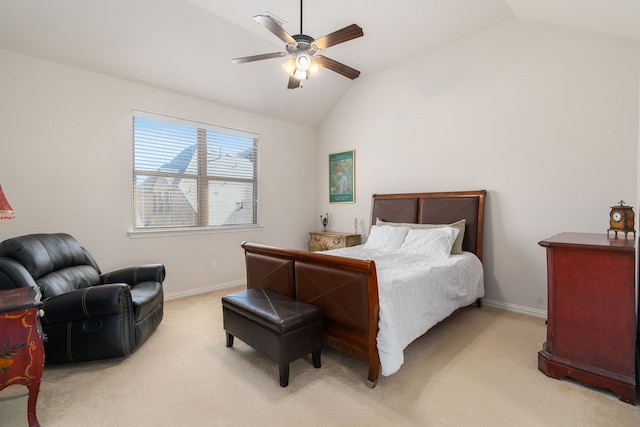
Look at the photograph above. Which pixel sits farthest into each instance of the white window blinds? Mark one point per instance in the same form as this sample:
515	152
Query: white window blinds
189	174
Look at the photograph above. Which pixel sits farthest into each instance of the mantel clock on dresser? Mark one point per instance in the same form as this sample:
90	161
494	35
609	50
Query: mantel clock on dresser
622	219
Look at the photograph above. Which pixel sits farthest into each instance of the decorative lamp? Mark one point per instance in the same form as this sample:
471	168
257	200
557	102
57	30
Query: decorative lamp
6	211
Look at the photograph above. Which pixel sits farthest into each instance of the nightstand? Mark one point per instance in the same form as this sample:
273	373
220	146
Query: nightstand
325	240
21	348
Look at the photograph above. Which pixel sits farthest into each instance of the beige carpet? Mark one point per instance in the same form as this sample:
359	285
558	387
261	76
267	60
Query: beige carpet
478	369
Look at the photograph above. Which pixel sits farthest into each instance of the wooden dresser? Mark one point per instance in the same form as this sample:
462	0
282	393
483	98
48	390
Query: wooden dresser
591	330
325	240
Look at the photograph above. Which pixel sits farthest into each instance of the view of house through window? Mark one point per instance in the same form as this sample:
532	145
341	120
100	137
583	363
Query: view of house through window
190	174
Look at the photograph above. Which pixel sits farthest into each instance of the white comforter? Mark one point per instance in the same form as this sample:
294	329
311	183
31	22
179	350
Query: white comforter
416	293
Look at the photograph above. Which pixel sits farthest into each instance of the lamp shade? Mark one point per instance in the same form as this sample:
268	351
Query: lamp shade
6	211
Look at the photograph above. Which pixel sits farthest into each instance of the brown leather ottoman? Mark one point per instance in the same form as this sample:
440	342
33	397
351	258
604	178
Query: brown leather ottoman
276	325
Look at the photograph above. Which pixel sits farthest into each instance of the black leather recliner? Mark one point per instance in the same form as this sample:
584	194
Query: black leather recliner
87	315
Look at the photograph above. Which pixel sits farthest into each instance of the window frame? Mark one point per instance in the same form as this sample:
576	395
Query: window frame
202	178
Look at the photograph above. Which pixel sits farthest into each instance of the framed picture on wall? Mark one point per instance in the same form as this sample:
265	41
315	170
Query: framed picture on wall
342	177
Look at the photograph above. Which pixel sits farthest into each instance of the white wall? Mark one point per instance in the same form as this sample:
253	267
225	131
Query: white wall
66	166
544	118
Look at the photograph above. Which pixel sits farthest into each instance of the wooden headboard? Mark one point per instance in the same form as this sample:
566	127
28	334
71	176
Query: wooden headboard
435	208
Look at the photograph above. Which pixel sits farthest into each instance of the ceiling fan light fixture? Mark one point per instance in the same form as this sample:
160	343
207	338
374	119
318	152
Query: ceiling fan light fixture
302	67
301	75
289	66
303	62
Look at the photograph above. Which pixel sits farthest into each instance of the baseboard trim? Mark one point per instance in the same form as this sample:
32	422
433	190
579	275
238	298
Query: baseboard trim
191	292
516	308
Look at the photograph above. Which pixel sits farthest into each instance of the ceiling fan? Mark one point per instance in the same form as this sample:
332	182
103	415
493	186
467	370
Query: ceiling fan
304	50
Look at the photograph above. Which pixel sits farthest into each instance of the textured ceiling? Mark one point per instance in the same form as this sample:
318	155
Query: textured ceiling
186	46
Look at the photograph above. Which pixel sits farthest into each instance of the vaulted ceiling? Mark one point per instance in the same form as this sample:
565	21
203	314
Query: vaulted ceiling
186	46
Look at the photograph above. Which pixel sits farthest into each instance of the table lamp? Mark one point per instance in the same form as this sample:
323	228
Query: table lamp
6	211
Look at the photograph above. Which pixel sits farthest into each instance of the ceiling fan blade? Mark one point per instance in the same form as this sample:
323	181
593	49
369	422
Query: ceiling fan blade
344	35
258	57
293	83
336	66
270	24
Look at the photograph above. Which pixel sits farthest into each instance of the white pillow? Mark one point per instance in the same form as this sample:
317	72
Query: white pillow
460	225
432	242
386	238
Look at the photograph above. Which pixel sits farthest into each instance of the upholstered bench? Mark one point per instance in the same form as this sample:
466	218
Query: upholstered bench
276	325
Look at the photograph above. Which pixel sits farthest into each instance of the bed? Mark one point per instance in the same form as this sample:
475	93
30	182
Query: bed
345	283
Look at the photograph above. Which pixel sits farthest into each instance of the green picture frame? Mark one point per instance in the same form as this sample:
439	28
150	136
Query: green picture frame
342	177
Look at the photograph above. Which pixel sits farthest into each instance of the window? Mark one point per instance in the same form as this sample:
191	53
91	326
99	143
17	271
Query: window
188	174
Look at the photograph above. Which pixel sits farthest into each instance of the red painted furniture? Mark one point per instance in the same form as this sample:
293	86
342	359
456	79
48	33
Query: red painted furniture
21	348
591	328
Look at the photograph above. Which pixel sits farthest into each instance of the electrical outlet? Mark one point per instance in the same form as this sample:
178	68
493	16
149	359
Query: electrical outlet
214	265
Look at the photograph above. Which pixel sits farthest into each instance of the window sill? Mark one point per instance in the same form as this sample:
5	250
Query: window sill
187	231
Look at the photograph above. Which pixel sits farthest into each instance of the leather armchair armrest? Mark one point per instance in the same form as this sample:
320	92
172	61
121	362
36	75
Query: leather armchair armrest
133	275
14	275
86	303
